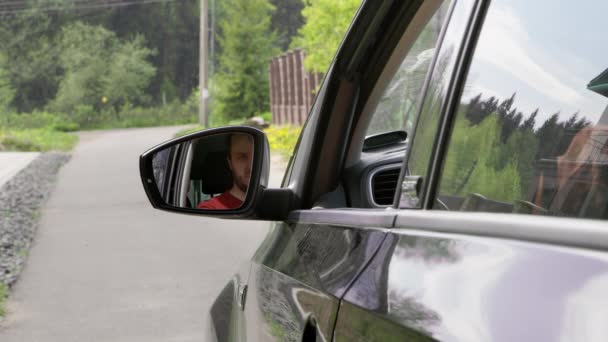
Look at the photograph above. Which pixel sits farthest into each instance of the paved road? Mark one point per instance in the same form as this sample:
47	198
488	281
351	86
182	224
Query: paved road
12	162
105	266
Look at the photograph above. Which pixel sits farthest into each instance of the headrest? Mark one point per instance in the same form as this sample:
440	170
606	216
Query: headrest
216	175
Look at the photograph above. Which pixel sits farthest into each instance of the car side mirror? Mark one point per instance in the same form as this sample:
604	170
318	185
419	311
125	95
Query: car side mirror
215	172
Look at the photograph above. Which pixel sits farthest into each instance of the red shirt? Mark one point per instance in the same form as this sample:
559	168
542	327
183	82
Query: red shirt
223	201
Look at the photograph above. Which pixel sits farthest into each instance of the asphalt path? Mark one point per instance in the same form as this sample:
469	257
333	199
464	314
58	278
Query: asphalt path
105	266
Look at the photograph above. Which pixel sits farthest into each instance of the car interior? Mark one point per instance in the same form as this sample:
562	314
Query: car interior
209	174
373	162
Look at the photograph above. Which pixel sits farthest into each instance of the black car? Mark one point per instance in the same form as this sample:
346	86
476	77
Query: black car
450	183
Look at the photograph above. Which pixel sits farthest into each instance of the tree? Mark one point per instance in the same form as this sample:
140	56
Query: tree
530	121
28	42
100	66
478	162
478	110
287	20
326	22
128	73
247	48
175	37
7	92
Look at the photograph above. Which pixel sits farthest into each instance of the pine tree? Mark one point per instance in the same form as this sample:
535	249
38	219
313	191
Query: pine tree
530	121
248	45
286	20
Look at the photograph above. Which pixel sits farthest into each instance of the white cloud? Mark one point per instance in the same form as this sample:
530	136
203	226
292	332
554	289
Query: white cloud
506	45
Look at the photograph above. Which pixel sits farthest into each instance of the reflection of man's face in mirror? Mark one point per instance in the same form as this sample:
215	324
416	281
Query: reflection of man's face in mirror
240	157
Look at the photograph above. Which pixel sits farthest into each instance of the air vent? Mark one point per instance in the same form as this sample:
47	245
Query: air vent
384	183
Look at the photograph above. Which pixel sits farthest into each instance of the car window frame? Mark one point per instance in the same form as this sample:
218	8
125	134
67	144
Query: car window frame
465	32
370	39
453	99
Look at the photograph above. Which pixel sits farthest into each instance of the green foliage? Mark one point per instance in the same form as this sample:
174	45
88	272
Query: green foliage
38	139
286	20
101	71
523	145
3	297
189	130
7	92
28	42
31	41
129	116
424	140
267	116
172	29
283	139
129	73
478	162
37	119
247	47
326	22
493	151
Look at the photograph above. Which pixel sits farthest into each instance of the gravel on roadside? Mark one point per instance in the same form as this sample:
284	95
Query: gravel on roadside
21	199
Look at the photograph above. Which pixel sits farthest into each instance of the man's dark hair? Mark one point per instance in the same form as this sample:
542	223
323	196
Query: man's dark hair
228	144
229	141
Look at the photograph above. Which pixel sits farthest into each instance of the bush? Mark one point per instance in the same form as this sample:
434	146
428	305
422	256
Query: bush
66	127
100	69
128	116
3	296
36	140
267	116
32	120
283	139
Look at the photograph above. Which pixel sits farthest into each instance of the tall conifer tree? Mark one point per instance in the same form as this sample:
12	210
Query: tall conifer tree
248	45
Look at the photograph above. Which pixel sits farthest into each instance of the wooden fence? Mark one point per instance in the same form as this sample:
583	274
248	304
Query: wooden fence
292	89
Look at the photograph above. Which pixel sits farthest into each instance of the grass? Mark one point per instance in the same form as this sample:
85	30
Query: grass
189	130
42	131
3	297
37	139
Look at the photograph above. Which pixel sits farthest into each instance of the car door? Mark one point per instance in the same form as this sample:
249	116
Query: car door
506	238
306	263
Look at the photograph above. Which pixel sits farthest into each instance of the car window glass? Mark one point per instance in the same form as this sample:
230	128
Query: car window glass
400	101
423	139
531	132
160	165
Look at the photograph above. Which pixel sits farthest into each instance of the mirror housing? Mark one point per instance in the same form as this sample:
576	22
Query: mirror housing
258	180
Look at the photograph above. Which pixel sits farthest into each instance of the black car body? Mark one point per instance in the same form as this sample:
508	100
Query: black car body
450	234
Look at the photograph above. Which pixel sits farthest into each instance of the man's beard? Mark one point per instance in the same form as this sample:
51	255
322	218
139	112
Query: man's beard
242	186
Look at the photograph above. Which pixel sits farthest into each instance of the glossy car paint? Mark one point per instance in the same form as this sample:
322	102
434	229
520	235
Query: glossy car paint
351	280
298	276
434	286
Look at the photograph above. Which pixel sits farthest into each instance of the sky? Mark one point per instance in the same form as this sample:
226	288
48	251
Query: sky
546	52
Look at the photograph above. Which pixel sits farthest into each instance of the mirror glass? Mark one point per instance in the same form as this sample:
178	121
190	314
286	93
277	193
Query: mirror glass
207	173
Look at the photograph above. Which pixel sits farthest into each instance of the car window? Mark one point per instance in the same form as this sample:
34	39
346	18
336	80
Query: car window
159	166
531	131
401	99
